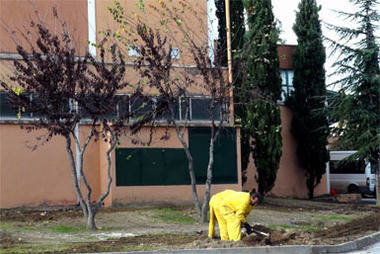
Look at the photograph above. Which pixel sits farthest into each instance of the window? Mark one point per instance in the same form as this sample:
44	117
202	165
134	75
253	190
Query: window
287	83
200	109
134	51
63	104
140	108
165	115
175	53
122	107
197	109
185	108
6	109
347	167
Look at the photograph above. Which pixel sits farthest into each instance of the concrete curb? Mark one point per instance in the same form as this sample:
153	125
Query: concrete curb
288	249
349	246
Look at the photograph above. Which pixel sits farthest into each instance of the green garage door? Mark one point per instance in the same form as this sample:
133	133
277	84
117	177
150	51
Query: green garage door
151	166
168	166
225	157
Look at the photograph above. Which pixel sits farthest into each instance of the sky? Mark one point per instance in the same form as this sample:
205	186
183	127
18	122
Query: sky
285	12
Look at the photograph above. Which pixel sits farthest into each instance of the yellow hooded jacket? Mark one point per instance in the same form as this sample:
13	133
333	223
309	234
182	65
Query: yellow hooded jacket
230	209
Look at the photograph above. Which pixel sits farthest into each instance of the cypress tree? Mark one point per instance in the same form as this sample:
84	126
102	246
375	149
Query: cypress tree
260	91
221	47
237	46
237	27
358	105
309	124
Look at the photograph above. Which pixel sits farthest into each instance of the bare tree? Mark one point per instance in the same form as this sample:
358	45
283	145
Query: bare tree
63	90
218	88
155	65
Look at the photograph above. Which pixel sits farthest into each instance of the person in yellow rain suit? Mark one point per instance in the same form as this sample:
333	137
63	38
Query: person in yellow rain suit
230	209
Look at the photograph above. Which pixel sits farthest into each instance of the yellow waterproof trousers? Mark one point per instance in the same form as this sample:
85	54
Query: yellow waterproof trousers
229	223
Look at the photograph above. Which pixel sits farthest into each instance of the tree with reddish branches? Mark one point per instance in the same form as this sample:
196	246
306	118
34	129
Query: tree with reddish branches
69	90
155	65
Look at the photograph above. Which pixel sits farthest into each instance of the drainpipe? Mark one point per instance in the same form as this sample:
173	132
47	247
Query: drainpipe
229	59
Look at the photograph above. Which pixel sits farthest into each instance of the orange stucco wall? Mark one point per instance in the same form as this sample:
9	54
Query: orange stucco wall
17	15
285	55
42	176
33	178
291	180
191	14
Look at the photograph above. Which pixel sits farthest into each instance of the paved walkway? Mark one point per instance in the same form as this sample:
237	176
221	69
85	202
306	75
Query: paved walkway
373	249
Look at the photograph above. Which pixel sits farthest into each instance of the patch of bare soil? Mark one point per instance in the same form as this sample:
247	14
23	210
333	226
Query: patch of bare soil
318	204
39	214
351	230
26	215
7	240
143	242
333	235
308	222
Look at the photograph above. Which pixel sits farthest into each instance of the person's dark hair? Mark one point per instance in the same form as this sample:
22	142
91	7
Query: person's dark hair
255	194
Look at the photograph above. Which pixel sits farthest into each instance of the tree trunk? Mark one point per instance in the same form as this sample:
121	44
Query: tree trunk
310	186
189	157
377	182
205	206
206	199
74	176
78	158
93	208
82	176
192	179
91	218
109	177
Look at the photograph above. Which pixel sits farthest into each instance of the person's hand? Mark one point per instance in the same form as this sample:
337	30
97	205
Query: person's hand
248	228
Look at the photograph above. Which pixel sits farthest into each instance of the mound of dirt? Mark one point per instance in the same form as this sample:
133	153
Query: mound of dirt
276	236
166	241
332	235
354	227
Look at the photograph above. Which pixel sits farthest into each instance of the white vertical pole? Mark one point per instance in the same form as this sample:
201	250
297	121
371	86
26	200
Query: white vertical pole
229	59
212	32
91	15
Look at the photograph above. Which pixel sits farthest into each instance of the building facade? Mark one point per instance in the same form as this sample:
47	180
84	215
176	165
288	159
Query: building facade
154	174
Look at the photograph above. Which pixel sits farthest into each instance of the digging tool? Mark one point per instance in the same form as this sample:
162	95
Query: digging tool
250	229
